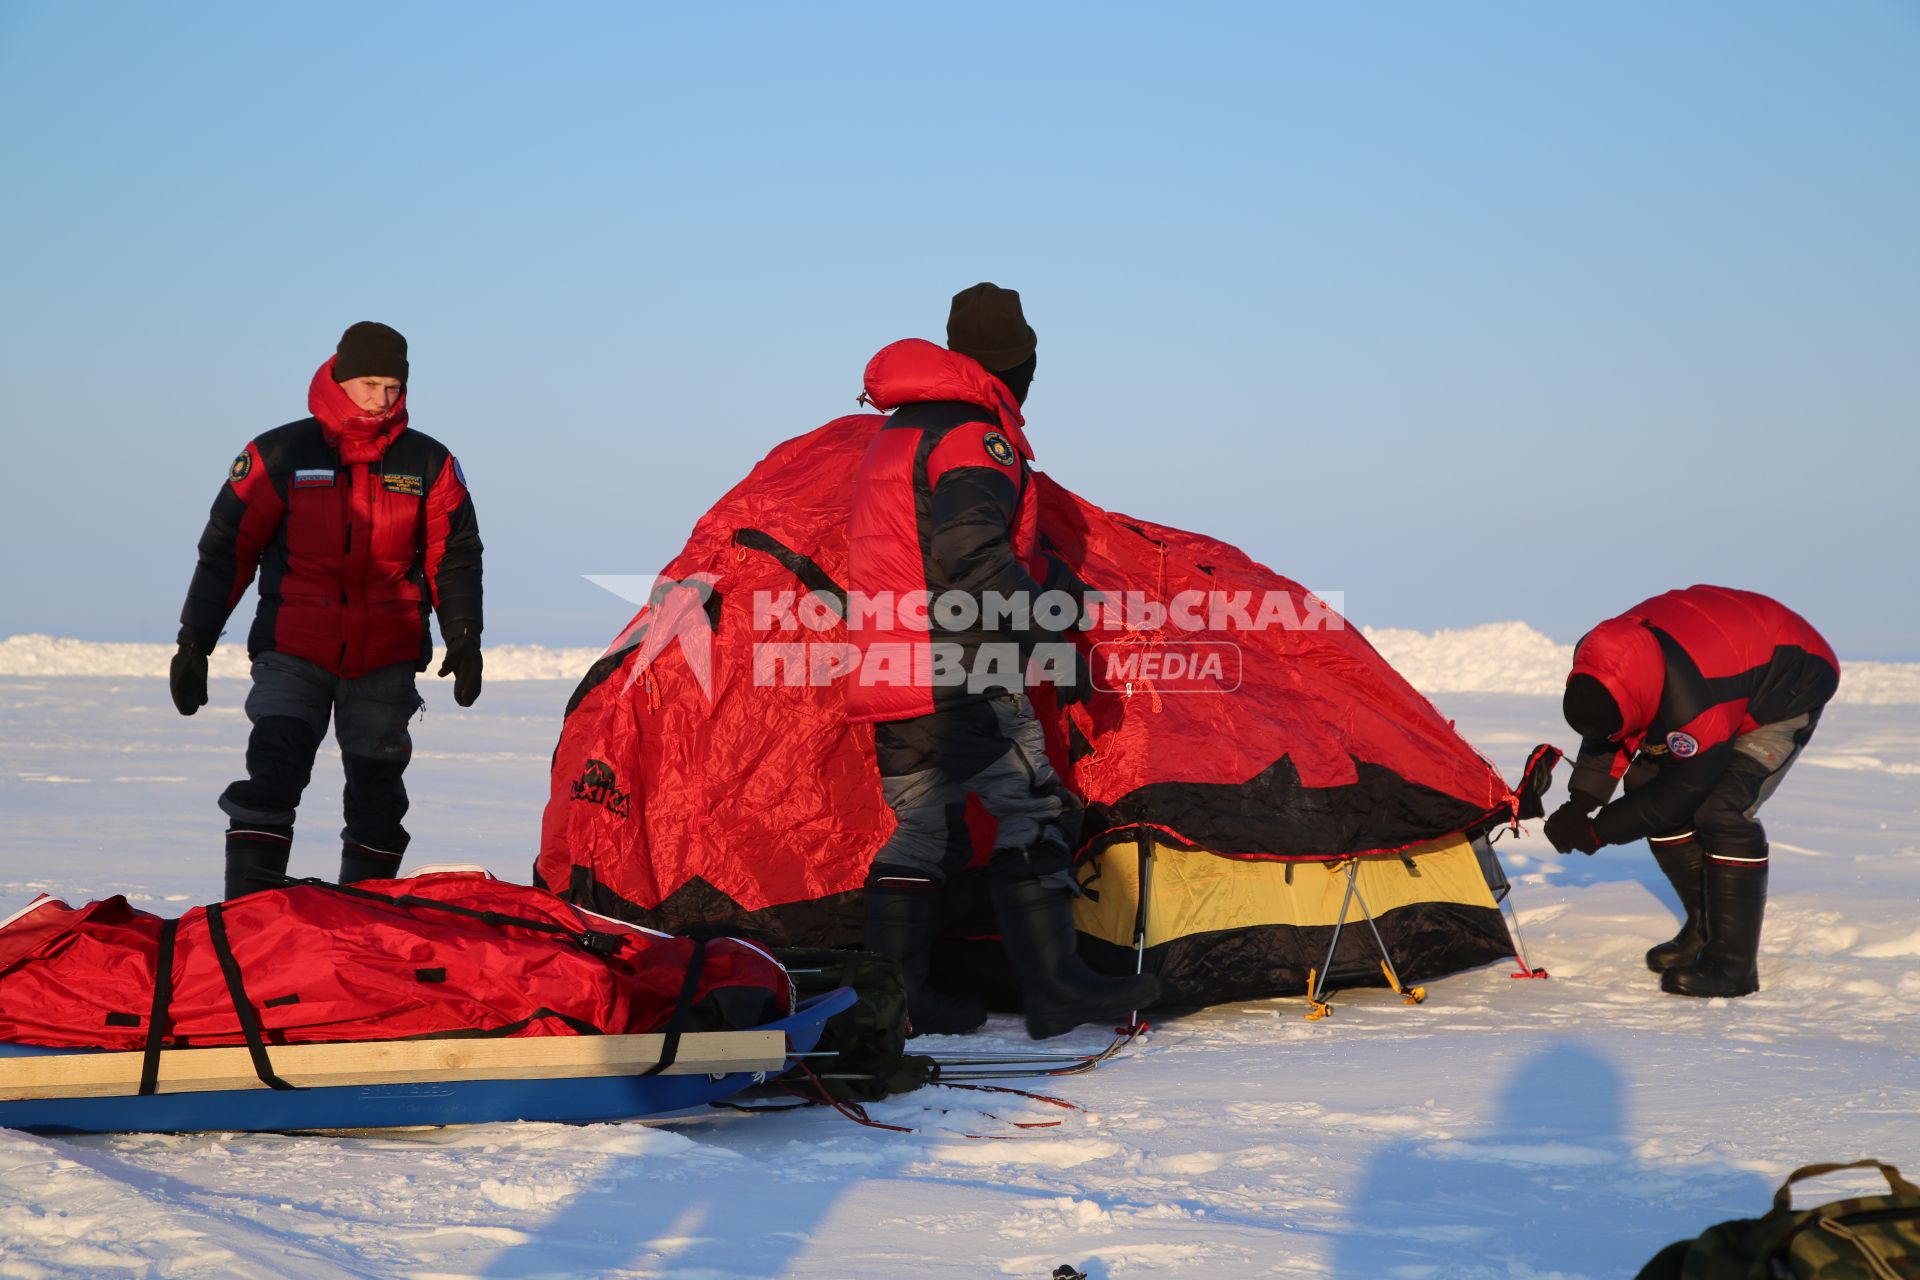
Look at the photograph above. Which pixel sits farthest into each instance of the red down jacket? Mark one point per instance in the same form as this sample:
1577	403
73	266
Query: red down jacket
1691	670
944	502
320	964
357	524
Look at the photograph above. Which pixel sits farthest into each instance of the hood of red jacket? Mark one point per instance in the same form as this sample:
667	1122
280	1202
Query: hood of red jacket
913	370
359	436
1622	654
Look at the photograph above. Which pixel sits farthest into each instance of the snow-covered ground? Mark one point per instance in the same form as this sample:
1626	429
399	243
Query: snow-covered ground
1503	1129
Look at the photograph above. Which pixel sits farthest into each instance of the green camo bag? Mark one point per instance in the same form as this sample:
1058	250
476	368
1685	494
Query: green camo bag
1866	1238
869	1040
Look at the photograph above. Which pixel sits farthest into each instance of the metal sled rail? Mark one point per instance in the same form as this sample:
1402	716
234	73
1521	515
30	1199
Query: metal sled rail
1024	1066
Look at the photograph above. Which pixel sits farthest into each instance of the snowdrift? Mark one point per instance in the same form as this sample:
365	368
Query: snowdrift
33	656
1497	657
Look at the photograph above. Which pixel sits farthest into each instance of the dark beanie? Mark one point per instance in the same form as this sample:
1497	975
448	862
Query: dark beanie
1590	710
986	323
370	350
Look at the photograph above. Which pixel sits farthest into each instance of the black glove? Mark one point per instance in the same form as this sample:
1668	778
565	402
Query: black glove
463	664
187	679
1570	828
1578	799
1061	577
1074	686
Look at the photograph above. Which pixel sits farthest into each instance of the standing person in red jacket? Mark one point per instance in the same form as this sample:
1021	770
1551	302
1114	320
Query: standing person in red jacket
357	526
944	512
1700	699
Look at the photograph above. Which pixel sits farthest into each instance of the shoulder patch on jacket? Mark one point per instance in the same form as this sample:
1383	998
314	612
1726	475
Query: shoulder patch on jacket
971	447
458	474
1682	745
241	466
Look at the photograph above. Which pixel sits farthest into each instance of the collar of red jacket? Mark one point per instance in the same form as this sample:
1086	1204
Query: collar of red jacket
360	437
913	370
1622	654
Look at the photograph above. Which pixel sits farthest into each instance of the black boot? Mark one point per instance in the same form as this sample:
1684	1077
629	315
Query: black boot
1036	923
257	858
900	916
1729	964
364	862
1680	862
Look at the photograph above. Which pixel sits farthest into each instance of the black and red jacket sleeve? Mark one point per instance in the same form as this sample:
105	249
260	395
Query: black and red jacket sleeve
452	552
975	502
245	516
1597	769
1667	802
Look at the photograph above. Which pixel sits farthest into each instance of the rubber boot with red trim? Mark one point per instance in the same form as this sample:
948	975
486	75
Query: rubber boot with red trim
364	862
257	857
1035	914
1729	964
901	911
1680	861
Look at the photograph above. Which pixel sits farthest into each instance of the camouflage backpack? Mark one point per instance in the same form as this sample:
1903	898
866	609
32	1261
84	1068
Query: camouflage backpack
869	1040
1867	1238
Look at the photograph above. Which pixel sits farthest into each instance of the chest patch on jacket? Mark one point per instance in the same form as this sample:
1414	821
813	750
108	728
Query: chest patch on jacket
1682	745
313	479
412	486
999	448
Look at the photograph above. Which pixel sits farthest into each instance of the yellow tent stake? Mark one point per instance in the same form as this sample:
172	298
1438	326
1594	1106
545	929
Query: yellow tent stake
1320	1007
1412	995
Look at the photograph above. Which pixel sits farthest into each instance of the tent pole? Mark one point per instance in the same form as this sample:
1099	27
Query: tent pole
1143	846
1317	979
1412	995
1526	969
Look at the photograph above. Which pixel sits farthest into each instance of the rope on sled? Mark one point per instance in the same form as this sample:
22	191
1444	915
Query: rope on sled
858	1114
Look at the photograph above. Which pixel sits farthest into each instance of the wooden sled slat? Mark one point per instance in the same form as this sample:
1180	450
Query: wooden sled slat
117	1074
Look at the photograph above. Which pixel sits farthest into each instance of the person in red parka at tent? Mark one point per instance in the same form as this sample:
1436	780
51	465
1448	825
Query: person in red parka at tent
944	510
1700	699
357	526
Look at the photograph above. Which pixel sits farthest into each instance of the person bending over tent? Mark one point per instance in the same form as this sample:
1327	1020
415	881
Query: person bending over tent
944	507
1701	698
357	525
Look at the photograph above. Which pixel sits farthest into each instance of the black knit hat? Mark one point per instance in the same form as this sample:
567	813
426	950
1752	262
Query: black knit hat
370	350
986	323
1590	710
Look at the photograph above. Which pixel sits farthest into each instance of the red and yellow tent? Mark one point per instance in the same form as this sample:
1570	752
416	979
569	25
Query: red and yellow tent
703	779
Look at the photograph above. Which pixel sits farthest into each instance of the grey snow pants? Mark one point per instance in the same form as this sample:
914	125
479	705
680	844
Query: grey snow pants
1725	824
993	749
290	705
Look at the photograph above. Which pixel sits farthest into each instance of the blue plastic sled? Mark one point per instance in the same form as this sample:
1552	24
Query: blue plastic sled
581	1100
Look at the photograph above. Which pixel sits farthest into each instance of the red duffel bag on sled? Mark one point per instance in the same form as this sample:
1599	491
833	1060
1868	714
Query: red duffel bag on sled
442	953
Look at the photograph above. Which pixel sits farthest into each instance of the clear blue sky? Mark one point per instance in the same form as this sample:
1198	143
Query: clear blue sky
1471	311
